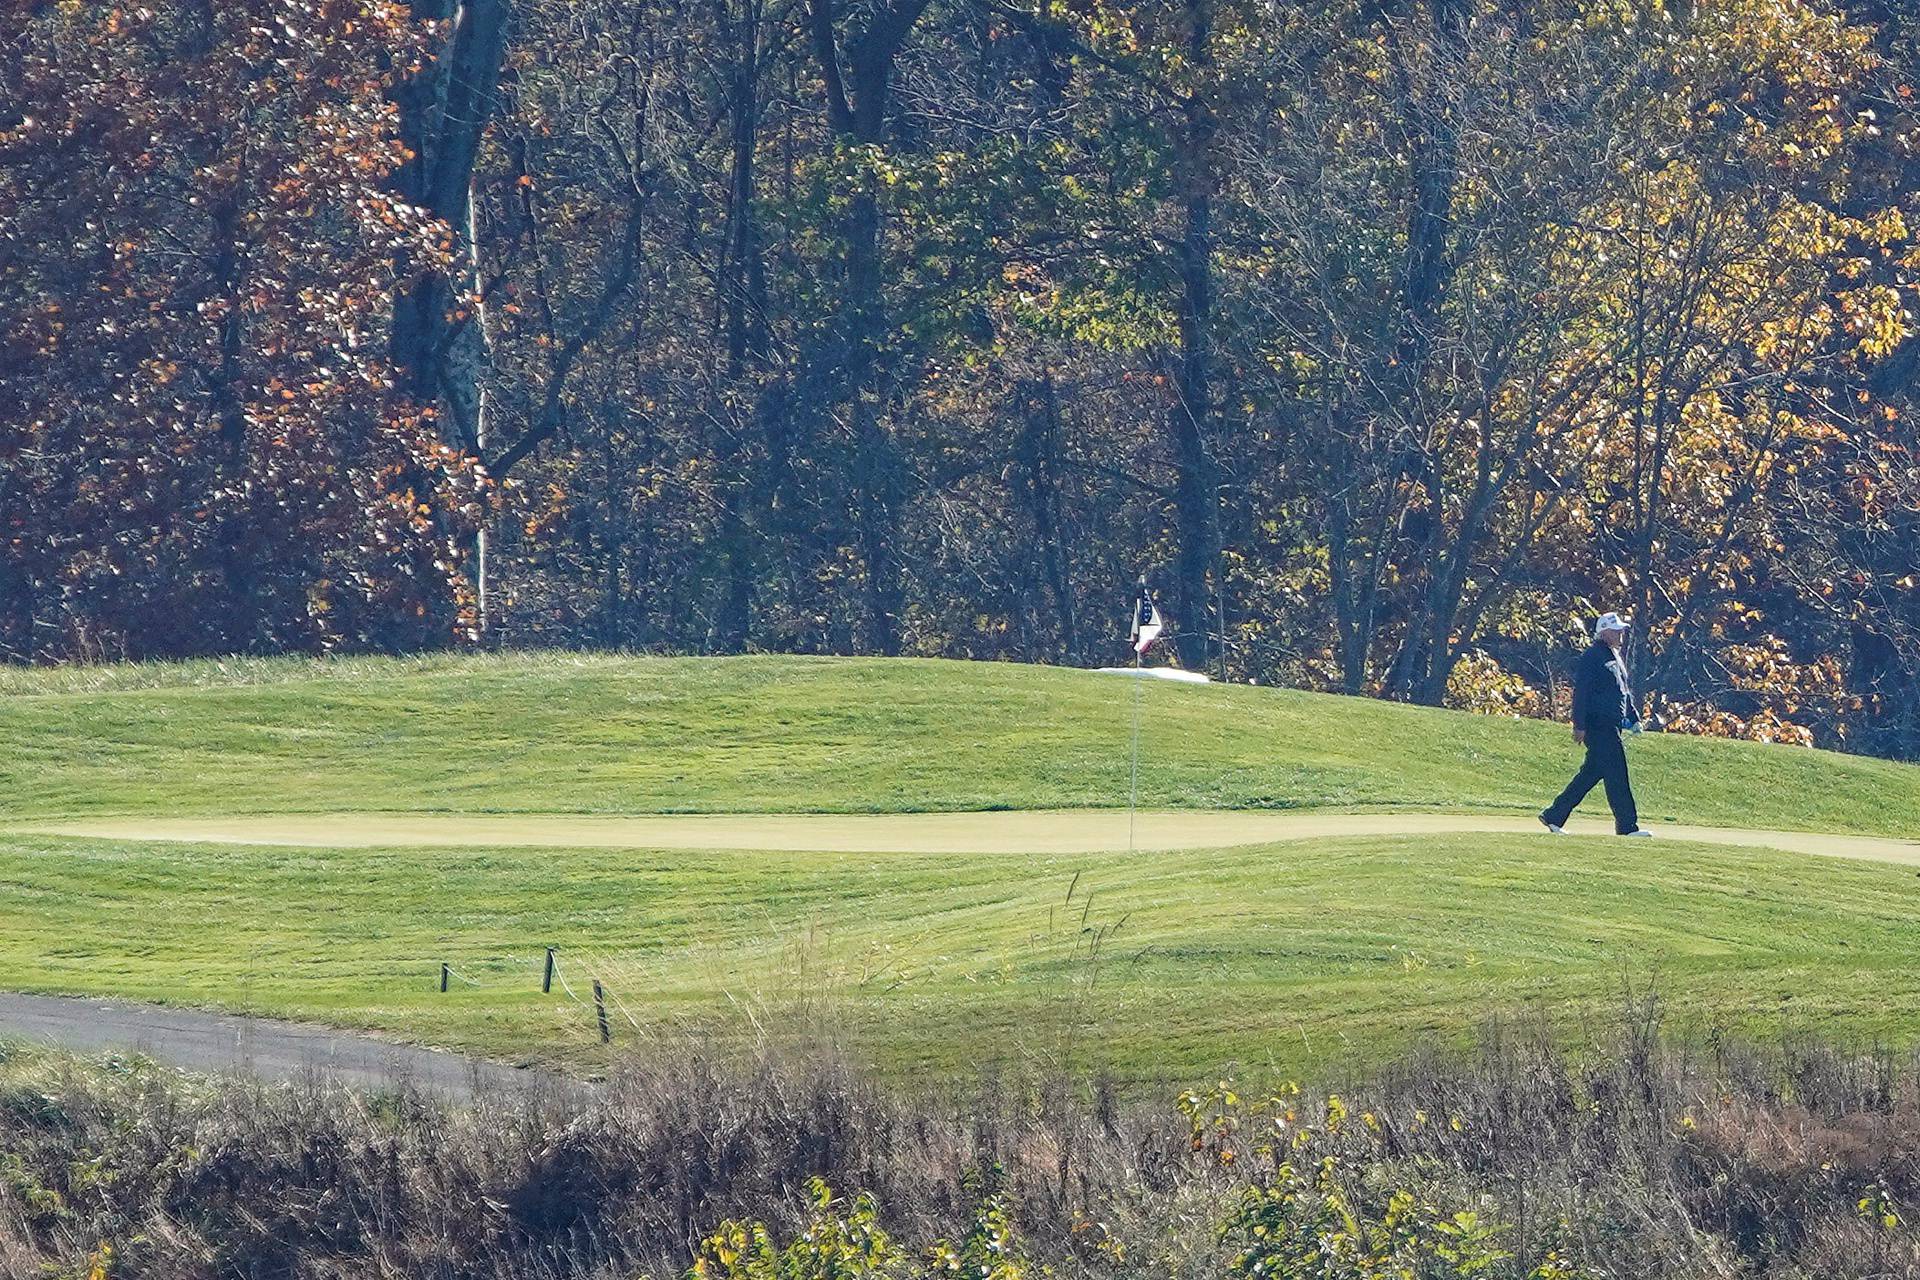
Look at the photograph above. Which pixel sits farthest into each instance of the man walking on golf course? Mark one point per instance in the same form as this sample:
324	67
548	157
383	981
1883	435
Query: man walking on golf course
1602	706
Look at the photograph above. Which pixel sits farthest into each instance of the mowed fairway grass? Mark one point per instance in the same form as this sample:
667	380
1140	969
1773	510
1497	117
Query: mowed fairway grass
1290	958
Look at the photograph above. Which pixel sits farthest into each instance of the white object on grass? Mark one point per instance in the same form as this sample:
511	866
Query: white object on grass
1156	673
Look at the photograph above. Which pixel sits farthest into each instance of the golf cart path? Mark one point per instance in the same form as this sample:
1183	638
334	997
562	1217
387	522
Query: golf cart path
266	1048
1000	831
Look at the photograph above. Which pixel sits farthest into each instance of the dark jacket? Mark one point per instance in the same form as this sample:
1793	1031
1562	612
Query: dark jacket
1600	705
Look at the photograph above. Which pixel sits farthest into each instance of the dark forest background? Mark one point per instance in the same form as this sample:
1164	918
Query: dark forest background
1390	337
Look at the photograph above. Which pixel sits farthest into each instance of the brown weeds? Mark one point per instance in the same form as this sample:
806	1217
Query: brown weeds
1642	1158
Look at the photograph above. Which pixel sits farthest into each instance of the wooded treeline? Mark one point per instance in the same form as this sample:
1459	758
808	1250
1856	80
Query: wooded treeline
1388	336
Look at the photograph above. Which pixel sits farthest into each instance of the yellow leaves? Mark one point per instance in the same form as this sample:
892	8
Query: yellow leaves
1876	318
1886	227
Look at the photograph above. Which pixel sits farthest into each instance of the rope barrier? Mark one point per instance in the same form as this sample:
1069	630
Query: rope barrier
561	978
622	1006
600	964
609	995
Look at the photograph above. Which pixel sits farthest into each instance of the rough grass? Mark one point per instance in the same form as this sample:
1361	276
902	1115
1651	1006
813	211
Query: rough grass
609	734
1285	959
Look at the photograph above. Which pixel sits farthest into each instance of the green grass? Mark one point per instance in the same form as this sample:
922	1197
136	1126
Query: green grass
633	735
1286	959
1290	958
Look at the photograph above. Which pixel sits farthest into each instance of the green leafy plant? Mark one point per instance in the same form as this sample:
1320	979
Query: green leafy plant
1332	1215
842	1241
1306	1221
988	1251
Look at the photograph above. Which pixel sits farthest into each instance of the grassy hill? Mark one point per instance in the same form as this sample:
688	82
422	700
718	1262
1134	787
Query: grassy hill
1292	958
1287	958
602	734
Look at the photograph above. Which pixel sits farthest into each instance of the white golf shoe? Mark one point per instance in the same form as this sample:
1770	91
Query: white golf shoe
1640	832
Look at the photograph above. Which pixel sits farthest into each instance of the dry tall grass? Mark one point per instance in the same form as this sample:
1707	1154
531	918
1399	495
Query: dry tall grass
1639	1158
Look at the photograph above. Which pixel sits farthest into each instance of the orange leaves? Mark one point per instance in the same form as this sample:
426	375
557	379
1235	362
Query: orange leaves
197	444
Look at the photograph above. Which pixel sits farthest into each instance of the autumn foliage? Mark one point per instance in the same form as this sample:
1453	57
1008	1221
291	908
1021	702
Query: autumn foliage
200	447
1392	339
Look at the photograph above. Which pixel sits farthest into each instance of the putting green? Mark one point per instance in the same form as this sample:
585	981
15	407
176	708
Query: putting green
1319	880
1064	831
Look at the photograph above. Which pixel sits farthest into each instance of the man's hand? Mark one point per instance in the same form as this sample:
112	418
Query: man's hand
1580	736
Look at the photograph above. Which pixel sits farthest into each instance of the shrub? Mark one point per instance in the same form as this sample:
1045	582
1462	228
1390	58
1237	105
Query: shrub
839	1242
1637	1157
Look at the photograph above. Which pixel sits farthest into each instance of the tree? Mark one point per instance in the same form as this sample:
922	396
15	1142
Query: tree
203	448
446	98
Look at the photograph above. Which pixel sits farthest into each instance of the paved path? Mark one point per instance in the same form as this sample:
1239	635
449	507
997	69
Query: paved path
1009	831
263	1047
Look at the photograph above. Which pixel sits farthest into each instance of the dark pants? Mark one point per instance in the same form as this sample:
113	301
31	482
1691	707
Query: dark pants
1606	762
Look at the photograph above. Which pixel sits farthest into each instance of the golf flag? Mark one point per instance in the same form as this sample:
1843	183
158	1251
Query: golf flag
1146	620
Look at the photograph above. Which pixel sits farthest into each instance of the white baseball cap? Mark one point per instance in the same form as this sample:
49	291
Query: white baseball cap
1611	622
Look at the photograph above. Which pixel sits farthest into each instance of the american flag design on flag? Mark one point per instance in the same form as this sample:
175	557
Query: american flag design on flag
1146	622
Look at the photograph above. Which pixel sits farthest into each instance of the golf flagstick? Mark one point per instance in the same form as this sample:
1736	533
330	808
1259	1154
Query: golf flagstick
1133	788
1144	631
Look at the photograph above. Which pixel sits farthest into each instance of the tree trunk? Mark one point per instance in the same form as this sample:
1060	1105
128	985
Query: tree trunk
743	295
1346	611
874	465
1197	486
1432	121
1432	117
444	110
878	524
238	624
857	112
1039	456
